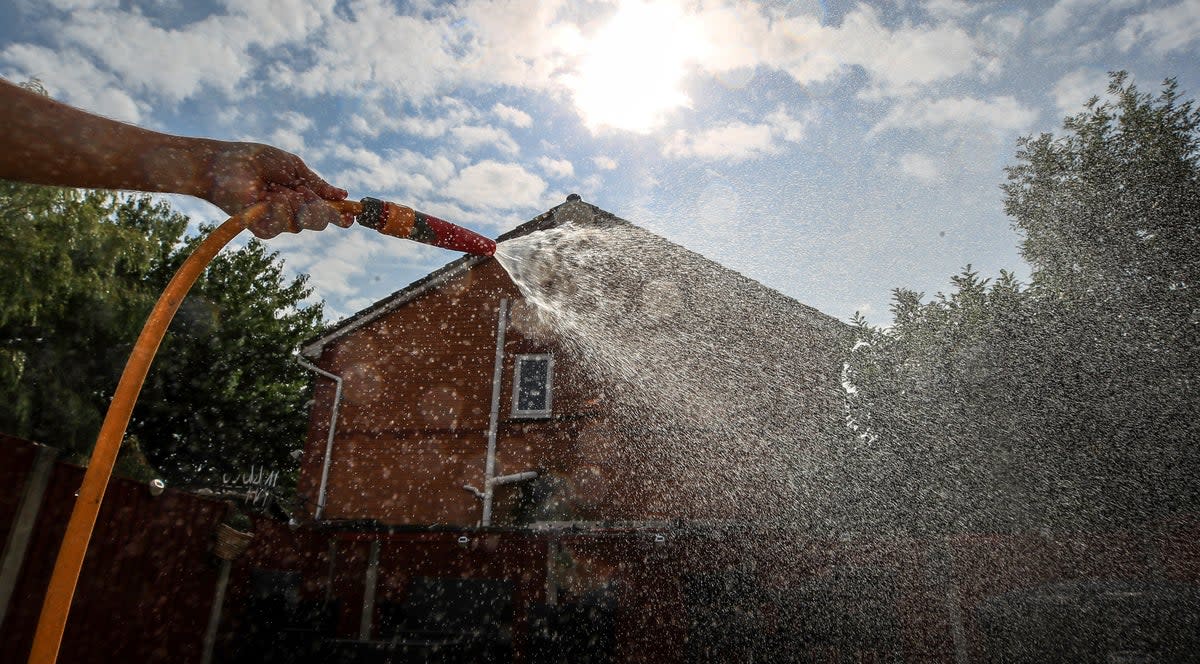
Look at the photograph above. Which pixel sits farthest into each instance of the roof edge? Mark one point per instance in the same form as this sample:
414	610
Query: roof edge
313	347
551	218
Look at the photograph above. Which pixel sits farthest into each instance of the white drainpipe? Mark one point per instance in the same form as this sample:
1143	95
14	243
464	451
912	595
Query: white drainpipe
502	480
490	481
337	402
514	478
494	421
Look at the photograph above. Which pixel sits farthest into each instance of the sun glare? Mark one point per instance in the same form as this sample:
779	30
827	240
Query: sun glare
633	67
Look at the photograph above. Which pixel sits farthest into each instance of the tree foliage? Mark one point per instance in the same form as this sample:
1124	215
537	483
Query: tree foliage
226	392
1109	211
74	263
82	271
1070	401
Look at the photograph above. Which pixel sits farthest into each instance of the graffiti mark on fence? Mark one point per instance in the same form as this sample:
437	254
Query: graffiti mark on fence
257	485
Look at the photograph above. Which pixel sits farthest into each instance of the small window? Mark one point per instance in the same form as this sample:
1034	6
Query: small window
532	380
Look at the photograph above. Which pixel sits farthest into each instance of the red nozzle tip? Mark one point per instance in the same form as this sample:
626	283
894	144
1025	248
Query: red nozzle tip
457	238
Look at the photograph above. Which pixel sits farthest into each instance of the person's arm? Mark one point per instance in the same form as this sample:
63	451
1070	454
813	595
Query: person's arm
45	142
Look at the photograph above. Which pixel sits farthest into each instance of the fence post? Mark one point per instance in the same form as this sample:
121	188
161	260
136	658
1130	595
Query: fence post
942	569
23	525
370	581
214	616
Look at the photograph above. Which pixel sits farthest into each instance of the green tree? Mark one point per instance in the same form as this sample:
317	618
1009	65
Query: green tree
1110	218
226	392
1069	402
70	303
82	272
1109	211
949	405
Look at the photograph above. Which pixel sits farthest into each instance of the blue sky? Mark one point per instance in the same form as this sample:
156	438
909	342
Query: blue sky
831	150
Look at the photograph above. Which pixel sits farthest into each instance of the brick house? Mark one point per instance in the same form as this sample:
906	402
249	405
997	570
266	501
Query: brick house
592	558
412	429
585	557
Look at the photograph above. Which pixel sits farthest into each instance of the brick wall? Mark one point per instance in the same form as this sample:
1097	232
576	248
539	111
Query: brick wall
412	426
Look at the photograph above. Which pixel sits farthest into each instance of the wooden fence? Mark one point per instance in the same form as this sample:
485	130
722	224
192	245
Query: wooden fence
148	580
672	593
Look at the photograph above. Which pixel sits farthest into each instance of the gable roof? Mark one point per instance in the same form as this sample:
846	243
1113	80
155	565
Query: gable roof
573	210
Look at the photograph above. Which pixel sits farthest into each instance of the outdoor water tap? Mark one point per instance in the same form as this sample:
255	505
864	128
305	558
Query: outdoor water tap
405	222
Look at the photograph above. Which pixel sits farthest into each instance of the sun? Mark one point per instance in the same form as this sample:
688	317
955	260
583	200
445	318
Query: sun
632	69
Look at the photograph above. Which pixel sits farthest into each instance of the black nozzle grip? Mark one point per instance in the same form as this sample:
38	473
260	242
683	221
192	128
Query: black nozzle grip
372	213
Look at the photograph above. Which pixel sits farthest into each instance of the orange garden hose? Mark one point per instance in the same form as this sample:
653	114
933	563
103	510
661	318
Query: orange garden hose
57	605
387	218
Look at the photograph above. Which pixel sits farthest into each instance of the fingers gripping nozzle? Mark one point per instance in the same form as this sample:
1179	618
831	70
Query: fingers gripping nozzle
405	222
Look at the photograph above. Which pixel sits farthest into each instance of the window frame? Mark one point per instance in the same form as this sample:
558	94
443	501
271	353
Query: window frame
518	362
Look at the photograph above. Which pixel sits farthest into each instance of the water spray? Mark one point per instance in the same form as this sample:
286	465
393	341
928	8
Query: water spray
387	218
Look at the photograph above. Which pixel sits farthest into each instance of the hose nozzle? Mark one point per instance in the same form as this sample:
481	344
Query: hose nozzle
405	222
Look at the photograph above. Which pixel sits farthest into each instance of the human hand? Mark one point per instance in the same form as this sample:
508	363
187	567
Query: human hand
242	174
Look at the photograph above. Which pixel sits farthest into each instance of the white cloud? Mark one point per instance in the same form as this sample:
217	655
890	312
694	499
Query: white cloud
739	141
952	9
556	168
400	172
178	62
340	261
184	61
1072	91
288	139
472	137
1164	30
1000	33
232	116
604	163
735	141
910	56
270	23
433	118
500	186
71	77
898	60
740	36
290	133
434	126
920	166
72	5
787	127
513	116
1059	16
371	47
352	305
297	122
808	51
590	186
332	259
1001	113
1069	16
522	43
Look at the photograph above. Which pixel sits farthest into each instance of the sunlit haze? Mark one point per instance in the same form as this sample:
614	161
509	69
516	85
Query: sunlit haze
633	68
832	150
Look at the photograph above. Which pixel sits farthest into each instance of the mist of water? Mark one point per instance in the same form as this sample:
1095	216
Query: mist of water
720	389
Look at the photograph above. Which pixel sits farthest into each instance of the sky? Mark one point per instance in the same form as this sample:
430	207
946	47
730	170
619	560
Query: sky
831	150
